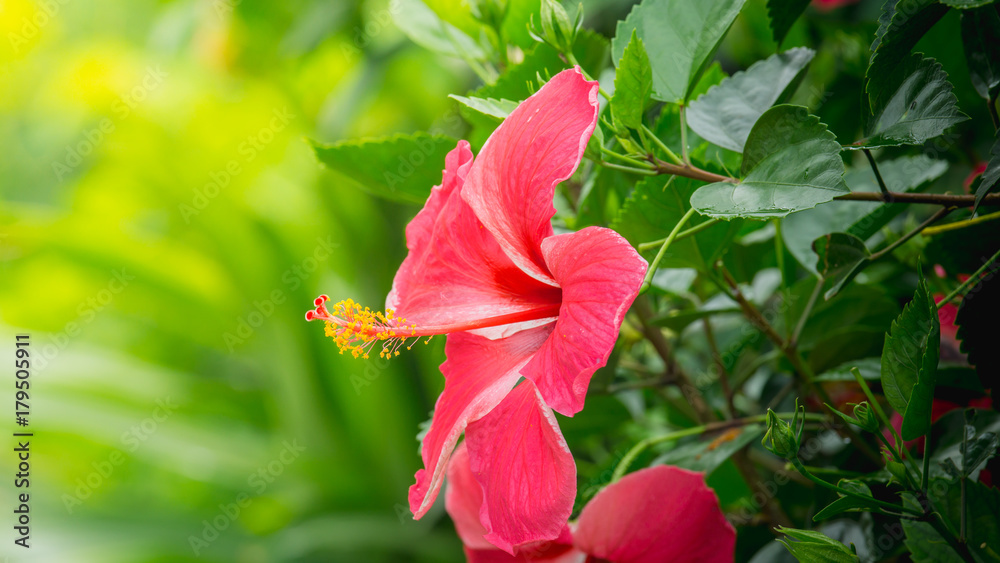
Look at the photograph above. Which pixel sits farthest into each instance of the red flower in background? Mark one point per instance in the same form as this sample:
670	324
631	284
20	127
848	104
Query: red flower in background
653	515
516	301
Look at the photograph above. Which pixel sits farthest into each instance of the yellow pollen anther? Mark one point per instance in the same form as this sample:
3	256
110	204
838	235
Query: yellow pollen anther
357	329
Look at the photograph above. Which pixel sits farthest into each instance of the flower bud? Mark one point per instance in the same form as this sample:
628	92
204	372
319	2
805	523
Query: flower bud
489	12
782	438
865	417
557	29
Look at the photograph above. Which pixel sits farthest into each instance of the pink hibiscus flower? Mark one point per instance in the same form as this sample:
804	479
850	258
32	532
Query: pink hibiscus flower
516	301
656	514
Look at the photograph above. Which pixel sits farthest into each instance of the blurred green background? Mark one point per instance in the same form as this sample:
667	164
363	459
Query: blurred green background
164	226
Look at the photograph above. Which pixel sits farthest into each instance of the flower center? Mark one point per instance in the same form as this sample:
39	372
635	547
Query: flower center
358	329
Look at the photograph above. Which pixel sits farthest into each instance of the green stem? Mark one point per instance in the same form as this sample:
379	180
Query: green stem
886	505
960	548
670	154
640	171
878	175
629	160
779	253
643	445
902	240
974	278
794	340
684	137
643	247
663	250
875	405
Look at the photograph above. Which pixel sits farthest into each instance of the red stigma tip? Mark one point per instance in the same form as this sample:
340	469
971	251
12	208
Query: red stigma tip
320	300
310	315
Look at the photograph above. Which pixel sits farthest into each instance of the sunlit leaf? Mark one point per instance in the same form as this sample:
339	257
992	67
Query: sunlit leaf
810	547
791	162
727	112
399	168
633	85
680	39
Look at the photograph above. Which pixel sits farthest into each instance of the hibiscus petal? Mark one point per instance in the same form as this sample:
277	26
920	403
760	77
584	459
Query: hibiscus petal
600	275
657	514
527	473
512	183
463	498
455	272
479	373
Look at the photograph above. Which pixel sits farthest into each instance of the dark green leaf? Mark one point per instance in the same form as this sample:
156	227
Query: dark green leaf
791	162
901	25
679	39
841	257
677	321
815	547
978	451
783	14
981	39
909	362
910	103
706	455
982	505
498	109
846	503
399	168
633	85
966	4
977	328
727	112
859	218
655	206
949	432
991	176
869	368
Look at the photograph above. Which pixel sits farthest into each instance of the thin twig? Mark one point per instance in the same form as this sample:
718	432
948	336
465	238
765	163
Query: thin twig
974	278
930	221
878	175
727	390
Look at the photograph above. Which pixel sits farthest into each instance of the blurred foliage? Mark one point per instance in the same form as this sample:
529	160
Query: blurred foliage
165	224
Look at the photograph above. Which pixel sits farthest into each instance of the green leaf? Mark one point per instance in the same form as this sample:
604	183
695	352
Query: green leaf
655	206
967	4
815	547
909	362
846	503
901	25
977	328
791	162
869	368
910	103
680	39
633	85
978	451
726	114
991	176
498	109
783	14
399	168
425	28
841	257
677	321
707	455
859	218
982	504
981	40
